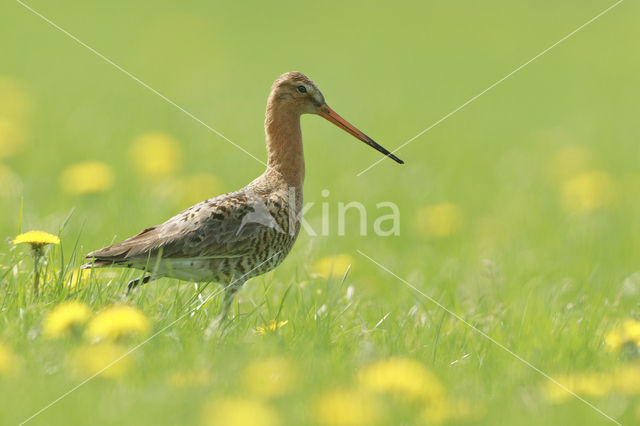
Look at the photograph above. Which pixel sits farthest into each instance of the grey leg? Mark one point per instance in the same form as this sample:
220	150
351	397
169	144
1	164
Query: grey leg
229	293
217	325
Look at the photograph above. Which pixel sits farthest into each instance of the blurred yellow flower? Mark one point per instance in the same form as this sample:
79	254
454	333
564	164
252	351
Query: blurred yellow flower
182	379
195	188
36	238
15	102
231	411
87	178
118	321
270	377
12	137
585	384
77	276
15	105
270	327
335	266
8	361
570	161
442	410
588	192
344	407
626	334
10	183
64	317
626	379
439	221
155	154
107	359
404	377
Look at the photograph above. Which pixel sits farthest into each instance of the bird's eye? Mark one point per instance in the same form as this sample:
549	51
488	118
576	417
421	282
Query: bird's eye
302	89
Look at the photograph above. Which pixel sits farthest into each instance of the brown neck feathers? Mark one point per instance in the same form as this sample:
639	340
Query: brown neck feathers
284	141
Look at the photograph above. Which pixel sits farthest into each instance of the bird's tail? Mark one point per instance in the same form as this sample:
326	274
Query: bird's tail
96	264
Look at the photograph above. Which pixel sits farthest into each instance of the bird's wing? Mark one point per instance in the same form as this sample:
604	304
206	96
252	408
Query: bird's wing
211	229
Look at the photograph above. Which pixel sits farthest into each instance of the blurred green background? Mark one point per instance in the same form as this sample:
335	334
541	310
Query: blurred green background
519	212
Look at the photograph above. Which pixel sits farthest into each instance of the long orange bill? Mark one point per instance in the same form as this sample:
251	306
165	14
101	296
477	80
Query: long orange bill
333	117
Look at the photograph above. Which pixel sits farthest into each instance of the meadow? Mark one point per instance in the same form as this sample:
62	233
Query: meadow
518	214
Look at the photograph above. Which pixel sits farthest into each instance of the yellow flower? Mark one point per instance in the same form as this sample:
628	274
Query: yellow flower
87	178
404	377
627	333
270	377
584	384
118	321
155	154
64	317
442	410
570	161
8	361
335	266
230	411
10	183
36	238
439	221
345	408
12	137
588	192
15	102
106	359
195	188
79	275
270	327
626	379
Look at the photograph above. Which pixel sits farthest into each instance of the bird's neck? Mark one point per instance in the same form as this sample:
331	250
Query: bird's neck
284	142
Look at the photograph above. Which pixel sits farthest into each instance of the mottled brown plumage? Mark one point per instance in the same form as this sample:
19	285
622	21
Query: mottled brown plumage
236	236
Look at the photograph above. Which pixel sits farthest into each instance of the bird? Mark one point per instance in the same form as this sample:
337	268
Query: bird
233	237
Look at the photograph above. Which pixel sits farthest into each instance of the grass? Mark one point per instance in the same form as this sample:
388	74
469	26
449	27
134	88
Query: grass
542	171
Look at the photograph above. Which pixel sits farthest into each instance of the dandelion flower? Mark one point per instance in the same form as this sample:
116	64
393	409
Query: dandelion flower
442	410
64	317
270	327
343	407
37	240
155	154
333	265
10	183
12	138
195	188
232	411
626	379
77	276
404	377
588	192
628	334
117	322
584	384
107	359
87	178
270	377
439	221
8	361
15	105
15	102
570	161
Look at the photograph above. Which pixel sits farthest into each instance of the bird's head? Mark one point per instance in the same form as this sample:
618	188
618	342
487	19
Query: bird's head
295	90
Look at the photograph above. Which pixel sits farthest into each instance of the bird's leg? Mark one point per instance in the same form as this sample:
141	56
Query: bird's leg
229	293
220	320
135	283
